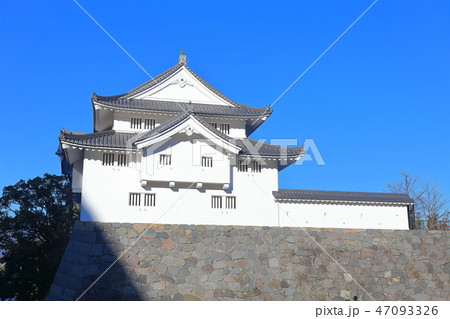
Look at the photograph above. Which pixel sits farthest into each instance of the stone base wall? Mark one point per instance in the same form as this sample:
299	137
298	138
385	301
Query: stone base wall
195	262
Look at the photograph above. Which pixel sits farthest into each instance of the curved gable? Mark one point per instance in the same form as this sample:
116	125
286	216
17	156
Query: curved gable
182	86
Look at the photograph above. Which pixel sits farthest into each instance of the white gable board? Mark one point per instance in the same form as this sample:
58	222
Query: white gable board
189	126
182	87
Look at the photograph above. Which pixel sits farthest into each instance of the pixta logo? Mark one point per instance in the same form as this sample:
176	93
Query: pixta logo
310	151
288	151
310	147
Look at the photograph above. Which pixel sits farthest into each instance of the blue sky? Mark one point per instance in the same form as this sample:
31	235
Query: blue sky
376	104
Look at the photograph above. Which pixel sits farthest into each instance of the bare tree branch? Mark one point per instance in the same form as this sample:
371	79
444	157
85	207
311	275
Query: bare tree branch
431	204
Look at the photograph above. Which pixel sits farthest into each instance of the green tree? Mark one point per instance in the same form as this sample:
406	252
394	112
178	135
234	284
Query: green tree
36	220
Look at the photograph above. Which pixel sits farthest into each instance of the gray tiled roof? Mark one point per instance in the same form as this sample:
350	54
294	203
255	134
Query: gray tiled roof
213	89
164	126
249	146
161	77
105	139
299	194
145	86
254	116
115	140
176	107
253	147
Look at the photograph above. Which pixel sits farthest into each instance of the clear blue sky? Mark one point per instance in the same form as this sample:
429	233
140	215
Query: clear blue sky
376	104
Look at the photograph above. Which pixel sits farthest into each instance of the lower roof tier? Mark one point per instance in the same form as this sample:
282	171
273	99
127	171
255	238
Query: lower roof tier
112	140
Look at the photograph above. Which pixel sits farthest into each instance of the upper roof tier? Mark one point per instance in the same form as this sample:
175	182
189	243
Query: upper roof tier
172	90
178	89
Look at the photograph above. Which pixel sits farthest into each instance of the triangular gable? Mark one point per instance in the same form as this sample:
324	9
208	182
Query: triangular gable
187	124
182	86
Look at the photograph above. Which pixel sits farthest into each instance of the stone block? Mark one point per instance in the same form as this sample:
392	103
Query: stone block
191	261
168	278
367	253
91	270
167	260
65	268
345	294
78	247
284	284
365	264
174	271
163	235
190	298
274	284
161	269
96	250
155	243
152	277
177	297
273	263
169	244
122	231
420	266
151	294
69	294
108	250
220	247
132	233
55	292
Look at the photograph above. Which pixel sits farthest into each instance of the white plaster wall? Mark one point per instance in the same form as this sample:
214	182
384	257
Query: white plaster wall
122	123
237	127
255	194
106	194
122	120
104	185
191	206
343	216
106	191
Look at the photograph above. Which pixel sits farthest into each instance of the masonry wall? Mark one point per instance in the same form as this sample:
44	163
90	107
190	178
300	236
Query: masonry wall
188	262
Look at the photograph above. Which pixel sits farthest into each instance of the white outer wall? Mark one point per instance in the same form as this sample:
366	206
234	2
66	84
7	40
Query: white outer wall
122	122
343	216
106	191
106	194
237	127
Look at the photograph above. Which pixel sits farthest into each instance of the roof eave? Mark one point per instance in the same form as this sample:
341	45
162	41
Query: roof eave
96	147
249	129
336	201
251	118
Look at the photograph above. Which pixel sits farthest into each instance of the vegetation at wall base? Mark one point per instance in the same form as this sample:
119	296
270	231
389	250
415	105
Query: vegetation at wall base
36	220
